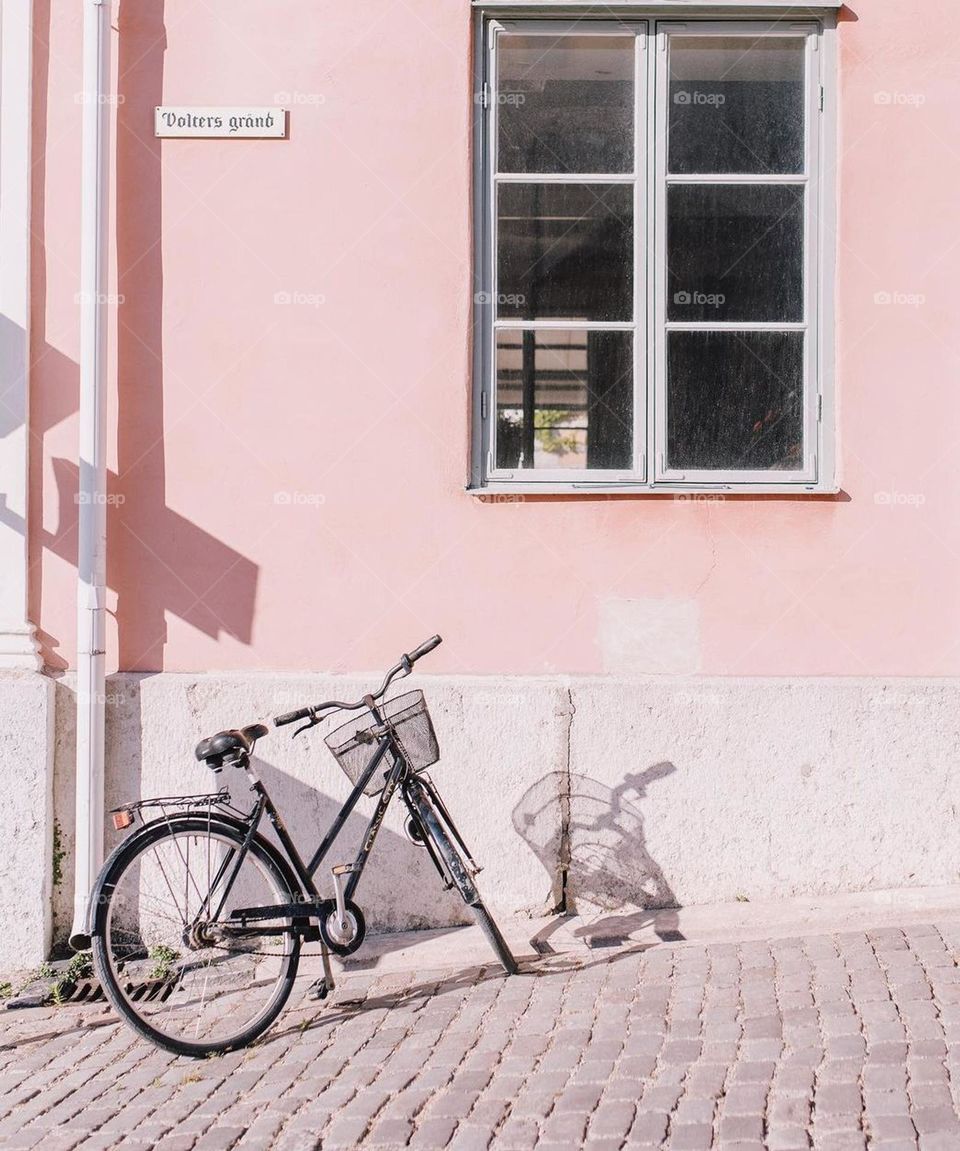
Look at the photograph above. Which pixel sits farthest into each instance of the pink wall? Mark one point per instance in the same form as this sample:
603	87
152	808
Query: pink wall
224	398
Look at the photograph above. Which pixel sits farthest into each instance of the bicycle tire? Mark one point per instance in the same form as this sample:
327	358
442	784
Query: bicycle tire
459	873
126	857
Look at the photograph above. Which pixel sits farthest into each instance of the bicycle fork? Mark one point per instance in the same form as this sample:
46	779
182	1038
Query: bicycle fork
450	877
447	818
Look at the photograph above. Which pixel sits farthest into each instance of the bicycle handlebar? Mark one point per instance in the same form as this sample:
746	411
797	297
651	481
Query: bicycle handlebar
424	649
404	667
292	716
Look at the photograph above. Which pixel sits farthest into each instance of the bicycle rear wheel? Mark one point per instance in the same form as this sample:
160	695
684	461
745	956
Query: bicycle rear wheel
434	828
169	959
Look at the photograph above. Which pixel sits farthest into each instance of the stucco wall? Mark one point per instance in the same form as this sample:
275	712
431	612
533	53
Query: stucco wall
598	793
31	862
289	412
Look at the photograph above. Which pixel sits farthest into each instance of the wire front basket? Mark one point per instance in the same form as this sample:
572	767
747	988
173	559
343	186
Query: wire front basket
354	743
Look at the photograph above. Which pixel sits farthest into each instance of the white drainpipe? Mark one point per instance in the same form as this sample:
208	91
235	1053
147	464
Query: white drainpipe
92	494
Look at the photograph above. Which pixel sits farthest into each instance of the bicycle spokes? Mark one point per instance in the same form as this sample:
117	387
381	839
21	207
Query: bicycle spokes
194	979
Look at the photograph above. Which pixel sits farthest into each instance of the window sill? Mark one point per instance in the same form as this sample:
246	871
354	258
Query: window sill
661	7
719	491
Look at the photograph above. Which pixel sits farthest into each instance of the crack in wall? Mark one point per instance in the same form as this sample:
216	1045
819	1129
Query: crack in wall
713	557
564	850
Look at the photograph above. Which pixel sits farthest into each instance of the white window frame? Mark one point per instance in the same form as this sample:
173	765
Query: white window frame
649	324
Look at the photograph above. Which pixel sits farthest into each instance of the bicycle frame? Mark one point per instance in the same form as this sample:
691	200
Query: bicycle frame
305	872
314	905
220	834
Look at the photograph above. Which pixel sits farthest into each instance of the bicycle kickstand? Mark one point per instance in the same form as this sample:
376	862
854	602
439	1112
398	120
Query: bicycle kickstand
321	988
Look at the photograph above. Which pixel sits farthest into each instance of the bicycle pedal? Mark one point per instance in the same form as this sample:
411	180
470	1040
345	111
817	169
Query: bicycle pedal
318	990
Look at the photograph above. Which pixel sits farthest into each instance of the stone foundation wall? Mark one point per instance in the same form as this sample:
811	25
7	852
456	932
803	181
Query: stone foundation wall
587	793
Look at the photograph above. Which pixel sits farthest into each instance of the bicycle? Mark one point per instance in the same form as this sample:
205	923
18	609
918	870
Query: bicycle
197	920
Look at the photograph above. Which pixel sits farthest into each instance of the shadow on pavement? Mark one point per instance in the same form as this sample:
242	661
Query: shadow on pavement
316	1015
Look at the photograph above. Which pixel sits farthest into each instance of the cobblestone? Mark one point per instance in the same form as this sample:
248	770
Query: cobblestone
830	1043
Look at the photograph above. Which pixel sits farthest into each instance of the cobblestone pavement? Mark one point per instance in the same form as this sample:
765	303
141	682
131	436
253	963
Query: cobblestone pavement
835	1042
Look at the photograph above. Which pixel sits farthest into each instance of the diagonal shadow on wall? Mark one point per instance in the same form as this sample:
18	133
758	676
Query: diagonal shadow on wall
159	561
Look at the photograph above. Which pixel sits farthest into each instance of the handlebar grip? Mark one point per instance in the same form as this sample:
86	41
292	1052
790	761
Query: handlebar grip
292	716
427	646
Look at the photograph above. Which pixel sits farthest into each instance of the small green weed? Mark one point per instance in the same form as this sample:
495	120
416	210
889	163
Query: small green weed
163	960
59	854
79	967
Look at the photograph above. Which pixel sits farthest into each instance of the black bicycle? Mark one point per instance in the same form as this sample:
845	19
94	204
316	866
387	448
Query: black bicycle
198	921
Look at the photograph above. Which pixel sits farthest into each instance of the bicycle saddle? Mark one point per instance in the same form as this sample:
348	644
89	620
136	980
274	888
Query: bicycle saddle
228	744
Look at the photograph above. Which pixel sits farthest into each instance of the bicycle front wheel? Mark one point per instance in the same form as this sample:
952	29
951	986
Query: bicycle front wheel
458	872
170	959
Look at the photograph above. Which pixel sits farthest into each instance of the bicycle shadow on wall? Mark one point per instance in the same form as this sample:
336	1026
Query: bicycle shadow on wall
591	840
400	891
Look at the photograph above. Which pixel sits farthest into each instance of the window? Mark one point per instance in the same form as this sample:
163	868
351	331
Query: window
650	264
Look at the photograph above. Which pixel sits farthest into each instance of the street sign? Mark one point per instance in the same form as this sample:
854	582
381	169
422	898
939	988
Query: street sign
220	123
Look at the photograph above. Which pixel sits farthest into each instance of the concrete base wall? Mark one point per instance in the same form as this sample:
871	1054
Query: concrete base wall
591	793
27	870
497	739
711	790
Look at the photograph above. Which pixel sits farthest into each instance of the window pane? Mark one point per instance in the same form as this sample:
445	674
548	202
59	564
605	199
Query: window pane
736	104
565	251
565	103
564	399
735	400
735	252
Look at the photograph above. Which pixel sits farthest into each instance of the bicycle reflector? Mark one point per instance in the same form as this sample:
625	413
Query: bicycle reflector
122	818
